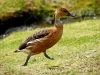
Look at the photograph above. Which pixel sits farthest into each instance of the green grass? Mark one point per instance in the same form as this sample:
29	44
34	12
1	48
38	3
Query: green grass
79	8
77	53
10	6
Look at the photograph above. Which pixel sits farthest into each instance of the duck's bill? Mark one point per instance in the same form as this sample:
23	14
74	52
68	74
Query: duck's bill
70	15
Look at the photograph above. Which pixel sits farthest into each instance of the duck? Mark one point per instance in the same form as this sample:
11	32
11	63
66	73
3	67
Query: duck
41	41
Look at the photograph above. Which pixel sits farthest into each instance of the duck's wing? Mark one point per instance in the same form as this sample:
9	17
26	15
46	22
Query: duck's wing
38	35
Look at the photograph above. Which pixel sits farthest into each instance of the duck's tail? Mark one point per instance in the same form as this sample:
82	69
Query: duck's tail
17	51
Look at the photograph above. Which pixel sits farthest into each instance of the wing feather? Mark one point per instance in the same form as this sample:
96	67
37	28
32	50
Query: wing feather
38	35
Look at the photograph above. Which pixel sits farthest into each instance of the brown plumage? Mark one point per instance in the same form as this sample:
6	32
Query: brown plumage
42	40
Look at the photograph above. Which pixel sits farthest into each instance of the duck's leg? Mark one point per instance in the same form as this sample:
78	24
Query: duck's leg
48	56
27	59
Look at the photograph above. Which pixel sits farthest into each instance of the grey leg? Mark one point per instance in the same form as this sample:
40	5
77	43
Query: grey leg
48	56
26	62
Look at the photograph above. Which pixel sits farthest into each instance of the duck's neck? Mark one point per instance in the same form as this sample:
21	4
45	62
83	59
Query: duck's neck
58	23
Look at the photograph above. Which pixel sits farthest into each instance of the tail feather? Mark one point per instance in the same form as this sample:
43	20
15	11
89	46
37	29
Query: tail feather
17	51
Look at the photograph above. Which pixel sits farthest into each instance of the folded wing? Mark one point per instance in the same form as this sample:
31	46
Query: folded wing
38	35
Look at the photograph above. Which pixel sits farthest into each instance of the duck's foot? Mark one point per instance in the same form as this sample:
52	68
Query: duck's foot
47	56
26	62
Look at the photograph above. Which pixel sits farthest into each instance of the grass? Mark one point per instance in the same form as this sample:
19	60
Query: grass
79	8
10	6
77	53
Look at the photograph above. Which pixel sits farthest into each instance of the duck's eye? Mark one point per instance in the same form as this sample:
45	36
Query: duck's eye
64	11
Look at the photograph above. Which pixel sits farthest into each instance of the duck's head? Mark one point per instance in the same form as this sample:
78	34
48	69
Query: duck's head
61	12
